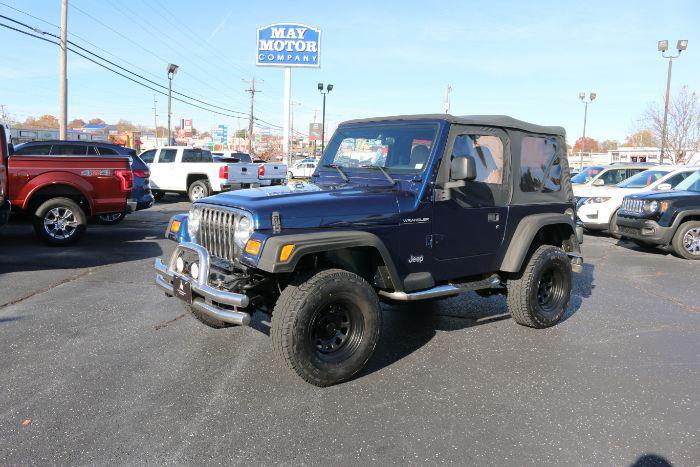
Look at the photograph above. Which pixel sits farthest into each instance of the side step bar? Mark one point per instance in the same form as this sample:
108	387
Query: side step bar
442	290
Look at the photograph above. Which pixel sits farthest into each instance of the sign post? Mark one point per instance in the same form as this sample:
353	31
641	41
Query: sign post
288	45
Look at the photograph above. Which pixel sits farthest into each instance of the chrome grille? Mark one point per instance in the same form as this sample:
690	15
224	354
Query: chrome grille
635	206
216	228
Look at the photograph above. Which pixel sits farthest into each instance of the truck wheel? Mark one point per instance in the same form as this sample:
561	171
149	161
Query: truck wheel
199	189
326	325
686	241
538	298
158	195
111	219
60	221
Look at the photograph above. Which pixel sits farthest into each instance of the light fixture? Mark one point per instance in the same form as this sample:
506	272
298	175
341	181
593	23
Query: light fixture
663	46
593	96
582	95
172	68
329	87
320	86
682	45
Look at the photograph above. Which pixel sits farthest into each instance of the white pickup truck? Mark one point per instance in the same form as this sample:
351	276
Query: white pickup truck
259	173
183	169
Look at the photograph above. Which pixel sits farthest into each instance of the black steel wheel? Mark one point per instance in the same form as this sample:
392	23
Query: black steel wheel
326	325
538	297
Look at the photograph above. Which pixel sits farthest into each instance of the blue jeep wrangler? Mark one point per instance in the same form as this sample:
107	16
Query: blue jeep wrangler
399	209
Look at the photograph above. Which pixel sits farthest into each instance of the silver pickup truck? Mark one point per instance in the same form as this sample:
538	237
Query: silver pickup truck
244	172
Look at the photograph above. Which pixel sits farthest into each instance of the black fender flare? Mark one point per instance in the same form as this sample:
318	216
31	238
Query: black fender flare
318	242
681	217
525	233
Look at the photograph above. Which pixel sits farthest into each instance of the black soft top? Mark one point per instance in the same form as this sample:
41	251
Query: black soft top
502	121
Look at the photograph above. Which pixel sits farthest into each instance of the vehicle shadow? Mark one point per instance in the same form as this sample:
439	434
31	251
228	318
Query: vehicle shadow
101	245
652	460
408	327
651	249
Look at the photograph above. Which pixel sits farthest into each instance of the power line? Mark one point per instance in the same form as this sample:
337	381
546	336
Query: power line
128	77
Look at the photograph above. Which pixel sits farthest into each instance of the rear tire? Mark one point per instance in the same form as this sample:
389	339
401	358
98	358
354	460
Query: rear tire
111	219
198	189
686	240
59	221
539	296
326	325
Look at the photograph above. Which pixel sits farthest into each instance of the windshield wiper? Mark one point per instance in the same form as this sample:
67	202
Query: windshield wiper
382	170
340	171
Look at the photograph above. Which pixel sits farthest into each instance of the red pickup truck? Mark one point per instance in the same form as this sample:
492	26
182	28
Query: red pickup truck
60	193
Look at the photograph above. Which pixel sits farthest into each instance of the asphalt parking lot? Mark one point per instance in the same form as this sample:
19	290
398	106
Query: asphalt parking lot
100	368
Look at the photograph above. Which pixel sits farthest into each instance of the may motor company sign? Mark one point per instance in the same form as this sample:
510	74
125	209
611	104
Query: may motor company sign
289	44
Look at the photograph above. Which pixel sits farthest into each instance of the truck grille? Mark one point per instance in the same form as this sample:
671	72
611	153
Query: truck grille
216	230
635	206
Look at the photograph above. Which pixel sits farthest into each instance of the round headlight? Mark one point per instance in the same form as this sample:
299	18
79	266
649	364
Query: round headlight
179	264
651	207
193	222
194	271
243	231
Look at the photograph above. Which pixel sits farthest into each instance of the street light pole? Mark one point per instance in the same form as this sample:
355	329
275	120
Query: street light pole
172	69
663	47
591	98
63	72
329	88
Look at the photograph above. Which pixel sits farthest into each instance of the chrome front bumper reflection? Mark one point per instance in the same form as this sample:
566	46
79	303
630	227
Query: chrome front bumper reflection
202	294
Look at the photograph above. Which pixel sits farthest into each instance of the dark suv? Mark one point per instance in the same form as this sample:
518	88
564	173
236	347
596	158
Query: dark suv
399	209
140	196
665	218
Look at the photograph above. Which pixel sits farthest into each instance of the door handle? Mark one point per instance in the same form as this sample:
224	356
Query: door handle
494	217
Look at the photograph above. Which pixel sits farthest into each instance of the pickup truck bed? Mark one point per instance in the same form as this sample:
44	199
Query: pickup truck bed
241	175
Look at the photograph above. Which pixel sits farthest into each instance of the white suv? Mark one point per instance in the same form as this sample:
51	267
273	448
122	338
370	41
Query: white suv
597	206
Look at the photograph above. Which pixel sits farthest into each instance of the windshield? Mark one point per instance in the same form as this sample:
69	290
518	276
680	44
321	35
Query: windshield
586	175
398	148
642	179
691	183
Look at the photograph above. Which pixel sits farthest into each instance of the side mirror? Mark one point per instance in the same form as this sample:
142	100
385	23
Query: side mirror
664	187
599	182
463	168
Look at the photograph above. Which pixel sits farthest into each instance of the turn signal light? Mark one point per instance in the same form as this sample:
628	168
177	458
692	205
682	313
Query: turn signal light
253	247
664	206
175	226
286	252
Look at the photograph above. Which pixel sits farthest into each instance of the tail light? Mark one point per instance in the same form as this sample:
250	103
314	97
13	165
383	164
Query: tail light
223	171
142	173
126	178
261	170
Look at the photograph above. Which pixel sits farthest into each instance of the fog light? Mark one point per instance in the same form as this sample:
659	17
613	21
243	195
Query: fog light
648	231
194	271
179	264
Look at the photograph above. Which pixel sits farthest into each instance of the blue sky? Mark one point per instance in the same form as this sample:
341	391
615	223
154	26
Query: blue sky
525	59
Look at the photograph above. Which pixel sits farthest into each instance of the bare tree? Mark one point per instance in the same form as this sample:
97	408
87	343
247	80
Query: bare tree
683	132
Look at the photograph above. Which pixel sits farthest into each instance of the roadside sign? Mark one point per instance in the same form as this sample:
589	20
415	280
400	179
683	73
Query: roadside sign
288	45
315	130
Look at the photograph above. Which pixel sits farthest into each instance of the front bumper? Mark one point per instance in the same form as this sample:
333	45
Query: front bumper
644	229
205	299
594	216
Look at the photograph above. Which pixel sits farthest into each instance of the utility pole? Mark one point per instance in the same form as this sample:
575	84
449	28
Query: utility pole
291	124
63	73
155	119
448	90
251	118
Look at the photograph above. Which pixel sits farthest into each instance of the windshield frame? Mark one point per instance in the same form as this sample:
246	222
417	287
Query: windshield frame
405	173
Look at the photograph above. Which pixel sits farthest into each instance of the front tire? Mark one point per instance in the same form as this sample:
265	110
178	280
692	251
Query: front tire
60	221
539	297
612	227
686	240
326	325
198	189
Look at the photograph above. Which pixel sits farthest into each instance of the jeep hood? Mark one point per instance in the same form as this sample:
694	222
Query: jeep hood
308	205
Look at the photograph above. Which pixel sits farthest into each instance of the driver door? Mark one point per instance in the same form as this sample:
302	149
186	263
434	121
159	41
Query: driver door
469	222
